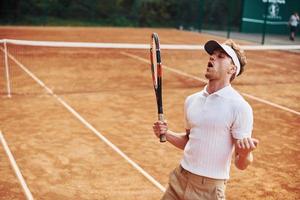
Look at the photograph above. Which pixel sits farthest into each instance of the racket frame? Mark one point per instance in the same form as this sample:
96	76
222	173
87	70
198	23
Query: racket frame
157	80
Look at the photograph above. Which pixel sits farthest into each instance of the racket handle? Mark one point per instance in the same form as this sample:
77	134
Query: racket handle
162	137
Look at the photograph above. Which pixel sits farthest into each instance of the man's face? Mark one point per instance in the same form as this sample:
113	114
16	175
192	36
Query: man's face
219	66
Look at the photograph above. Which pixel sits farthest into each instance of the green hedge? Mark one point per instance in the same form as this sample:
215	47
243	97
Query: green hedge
142	13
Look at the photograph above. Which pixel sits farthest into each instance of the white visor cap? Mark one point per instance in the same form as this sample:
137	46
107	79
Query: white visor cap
212	45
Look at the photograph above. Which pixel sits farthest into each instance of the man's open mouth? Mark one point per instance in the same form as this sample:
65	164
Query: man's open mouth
209	64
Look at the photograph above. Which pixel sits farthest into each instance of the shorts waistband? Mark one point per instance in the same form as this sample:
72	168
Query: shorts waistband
201	179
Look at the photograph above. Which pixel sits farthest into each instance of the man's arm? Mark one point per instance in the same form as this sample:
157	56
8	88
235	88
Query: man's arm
243	152
179	140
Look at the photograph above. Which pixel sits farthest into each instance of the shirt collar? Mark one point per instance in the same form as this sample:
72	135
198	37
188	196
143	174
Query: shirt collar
205	93
225	91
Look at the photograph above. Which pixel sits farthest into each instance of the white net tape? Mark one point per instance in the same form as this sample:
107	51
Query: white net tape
138	46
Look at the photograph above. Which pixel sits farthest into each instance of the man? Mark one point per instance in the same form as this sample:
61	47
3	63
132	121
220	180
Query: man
293	23
217	121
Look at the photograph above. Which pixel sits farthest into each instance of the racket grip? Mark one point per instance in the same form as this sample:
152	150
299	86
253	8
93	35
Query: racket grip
162	137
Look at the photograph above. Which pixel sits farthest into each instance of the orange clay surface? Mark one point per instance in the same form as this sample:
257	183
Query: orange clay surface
60	158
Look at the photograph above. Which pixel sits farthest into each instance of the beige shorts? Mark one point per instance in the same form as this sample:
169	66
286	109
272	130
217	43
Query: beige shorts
184	185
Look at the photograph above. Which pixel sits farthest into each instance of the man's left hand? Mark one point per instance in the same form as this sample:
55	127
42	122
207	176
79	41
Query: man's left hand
244	146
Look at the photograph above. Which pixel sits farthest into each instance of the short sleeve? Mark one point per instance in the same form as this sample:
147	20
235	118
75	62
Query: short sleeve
186	121
243	121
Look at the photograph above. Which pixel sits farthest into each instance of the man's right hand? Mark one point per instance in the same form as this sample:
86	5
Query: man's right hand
160	128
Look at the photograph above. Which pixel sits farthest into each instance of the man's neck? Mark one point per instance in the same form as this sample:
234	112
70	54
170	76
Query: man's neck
214	86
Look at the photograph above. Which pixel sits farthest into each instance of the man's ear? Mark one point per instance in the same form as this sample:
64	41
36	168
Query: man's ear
232	69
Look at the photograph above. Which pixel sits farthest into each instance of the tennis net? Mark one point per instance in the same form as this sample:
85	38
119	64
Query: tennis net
80	67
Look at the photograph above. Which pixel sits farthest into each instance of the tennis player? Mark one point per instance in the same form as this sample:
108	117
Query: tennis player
218	123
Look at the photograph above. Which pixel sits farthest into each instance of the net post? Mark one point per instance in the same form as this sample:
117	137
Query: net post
229	19
201	14
8	87
265	23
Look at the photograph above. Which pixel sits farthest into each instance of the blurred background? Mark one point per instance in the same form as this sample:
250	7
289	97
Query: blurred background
229	18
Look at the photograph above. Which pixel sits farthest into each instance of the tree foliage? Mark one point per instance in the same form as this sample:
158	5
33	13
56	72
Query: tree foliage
144	13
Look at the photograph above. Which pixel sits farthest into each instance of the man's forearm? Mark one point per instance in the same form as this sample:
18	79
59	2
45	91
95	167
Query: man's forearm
178	140
242	162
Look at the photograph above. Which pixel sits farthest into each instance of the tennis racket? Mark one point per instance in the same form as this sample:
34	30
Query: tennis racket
156	70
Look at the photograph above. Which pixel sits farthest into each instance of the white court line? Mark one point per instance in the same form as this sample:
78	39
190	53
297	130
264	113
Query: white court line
15	168
205	81
89	126
165	67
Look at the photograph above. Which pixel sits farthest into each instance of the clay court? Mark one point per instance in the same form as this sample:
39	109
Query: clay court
53	139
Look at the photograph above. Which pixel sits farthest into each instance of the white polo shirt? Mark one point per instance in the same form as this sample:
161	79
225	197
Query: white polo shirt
294	20
213	119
